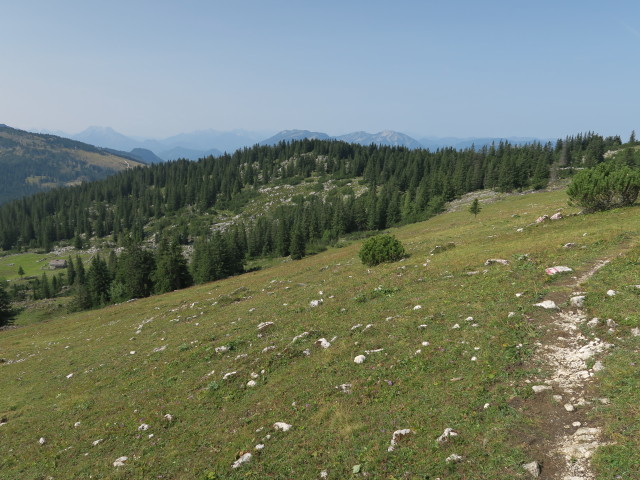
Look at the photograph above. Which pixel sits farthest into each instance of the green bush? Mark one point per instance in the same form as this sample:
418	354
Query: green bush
606	186
381	248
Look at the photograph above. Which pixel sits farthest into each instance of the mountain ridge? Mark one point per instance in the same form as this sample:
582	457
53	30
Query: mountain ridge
34	162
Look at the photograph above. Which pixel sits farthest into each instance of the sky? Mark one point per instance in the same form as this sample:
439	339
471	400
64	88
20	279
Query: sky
458	68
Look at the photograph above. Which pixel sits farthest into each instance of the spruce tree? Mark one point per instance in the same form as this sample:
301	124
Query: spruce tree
71	272
98	282
6	312
475	207
171	271
297	243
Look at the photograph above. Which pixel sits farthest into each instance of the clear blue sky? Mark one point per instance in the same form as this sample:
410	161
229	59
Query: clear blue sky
455	68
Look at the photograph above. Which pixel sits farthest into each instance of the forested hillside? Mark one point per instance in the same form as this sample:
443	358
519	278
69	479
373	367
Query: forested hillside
33	162
167	226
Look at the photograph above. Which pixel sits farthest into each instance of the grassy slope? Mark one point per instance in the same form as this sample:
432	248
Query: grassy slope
112	391
620	381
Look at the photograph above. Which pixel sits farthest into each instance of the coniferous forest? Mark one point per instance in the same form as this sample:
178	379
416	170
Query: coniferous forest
173	204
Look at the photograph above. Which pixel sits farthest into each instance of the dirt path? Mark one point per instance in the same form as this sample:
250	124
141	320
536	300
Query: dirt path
562	403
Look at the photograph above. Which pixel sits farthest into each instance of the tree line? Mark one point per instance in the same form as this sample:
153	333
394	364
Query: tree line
404	185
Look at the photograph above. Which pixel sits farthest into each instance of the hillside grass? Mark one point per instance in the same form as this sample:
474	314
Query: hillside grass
136	362
620	381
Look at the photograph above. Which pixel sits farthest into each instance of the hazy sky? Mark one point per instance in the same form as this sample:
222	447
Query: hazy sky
445	68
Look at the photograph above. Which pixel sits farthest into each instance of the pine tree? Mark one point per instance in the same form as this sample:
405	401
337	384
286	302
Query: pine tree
71	272
6	312
475	207
45	287
80	277
21	271
171	271
297	242
135	268
98	282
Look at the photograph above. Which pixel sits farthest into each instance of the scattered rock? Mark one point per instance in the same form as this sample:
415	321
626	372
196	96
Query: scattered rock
397	435
168	417
453	458
542	218
557	269
42	441
569	408
557	398
569	245
227	375
556	216
344	388
448	432
593	323
243	459
259	447
533	468
143	427
547	304
417	307
251	383
455	327
264	325
598	366
359	359
120	461
97	442
315	303
70	375
635	332
282	426
577	301
541	388
323	342
499	261
611	293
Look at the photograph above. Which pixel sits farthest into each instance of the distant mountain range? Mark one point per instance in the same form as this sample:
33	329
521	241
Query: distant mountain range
386	137
202	143
191	145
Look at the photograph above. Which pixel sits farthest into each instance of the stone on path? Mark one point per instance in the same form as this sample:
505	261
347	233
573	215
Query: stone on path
533	468
577	301
547	304
541	388
557	269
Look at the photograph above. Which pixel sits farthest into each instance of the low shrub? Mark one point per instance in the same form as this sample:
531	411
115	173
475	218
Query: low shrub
606	186
381	248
